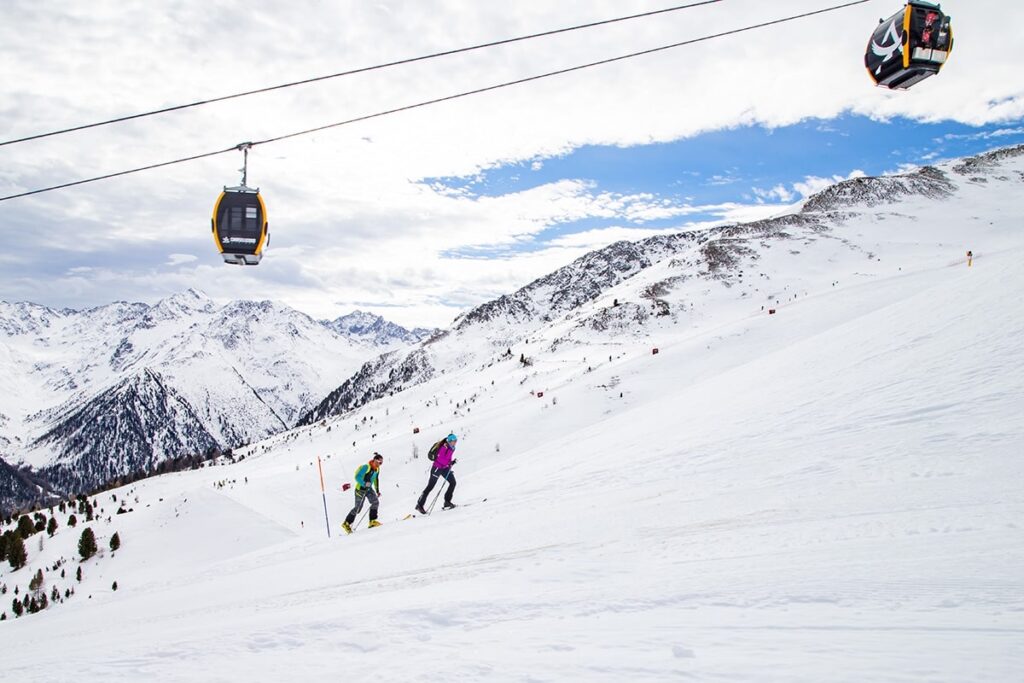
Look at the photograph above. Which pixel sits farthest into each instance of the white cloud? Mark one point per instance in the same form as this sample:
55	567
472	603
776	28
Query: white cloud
779	193
719	180
799	190
983	135
589	240
812	184
178	259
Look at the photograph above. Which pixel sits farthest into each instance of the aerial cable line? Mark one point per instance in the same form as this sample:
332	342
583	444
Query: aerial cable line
447	98
549	74
352	72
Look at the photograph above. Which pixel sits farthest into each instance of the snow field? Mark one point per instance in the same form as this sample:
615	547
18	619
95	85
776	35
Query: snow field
833	494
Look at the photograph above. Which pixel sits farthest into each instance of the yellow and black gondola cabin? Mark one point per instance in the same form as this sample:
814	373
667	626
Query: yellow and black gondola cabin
909	46
240	225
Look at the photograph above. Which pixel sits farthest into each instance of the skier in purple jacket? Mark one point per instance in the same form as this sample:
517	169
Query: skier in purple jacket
442	469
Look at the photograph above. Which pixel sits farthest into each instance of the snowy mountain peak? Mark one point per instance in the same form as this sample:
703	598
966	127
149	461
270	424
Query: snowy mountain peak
931	182
25	318
185	303
928	182
356	321
374	329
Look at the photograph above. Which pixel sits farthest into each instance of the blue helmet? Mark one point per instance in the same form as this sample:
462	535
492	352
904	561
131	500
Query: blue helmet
451	438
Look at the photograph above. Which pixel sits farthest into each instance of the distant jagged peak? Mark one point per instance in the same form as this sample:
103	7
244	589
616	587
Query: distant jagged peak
989	161
190	300
871	191
24	317
375	329
249	314
932	182
357	320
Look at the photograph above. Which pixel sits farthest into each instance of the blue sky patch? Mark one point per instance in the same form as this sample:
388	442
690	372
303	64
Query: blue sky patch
725	166
736	165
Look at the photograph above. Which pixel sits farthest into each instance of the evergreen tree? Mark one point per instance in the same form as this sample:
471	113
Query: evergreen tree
4	542
37	581
3	617
114	587
25	526
87	544
17	556
115	541
78	574
51	526
72	521
54	595
17	608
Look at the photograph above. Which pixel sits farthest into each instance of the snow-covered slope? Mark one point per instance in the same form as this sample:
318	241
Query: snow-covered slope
118	389
853	231
829	493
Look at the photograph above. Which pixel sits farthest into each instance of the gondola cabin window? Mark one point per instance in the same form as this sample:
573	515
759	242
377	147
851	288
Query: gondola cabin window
243	218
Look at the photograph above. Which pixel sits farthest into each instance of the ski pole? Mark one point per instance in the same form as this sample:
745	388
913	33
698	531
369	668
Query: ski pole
324	495
362	516
438	494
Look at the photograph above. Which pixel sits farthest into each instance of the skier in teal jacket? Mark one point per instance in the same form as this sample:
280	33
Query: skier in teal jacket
367	488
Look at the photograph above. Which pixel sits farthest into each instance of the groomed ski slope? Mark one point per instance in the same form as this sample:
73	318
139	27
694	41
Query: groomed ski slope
842	502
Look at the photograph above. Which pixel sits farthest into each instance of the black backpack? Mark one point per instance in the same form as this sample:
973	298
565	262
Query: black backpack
432	453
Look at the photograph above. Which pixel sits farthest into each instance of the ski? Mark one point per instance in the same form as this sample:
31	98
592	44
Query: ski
465	505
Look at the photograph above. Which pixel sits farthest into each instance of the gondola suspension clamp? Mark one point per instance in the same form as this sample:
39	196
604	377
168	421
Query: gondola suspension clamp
244	147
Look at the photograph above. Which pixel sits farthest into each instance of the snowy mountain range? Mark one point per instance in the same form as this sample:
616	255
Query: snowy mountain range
786	450
116	390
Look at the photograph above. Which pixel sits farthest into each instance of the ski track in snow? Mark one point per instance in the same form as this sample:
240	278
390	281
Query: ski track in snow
830	494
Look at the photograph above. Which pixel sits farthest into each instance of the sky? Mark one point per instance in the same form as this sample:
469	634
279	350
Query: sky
421	214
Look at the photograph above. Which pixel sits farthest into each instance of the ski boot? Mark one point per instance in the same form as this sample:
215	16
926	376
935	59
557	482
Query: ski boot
374	523
448	505
419	509
347	527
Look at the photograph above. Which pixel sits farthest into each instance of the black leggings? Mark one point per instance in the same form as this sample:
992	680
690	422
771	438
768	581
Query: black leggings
435	474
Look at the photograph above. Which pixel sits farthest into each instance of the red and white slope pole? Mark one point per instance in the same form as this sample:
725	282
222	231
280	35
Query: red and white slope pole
324	495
